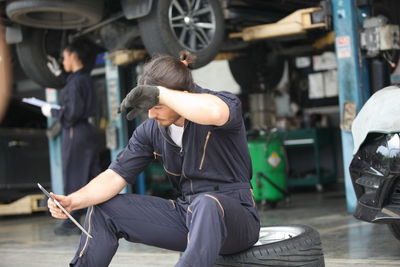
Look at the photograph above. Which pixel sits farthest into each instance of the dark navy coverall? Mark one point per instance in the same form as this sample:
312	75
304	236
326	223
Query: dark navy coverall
80	162
215	213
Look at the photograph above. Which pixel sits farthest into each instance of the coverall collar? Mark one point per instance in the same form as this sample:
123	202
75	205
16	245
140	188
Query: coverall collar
165	134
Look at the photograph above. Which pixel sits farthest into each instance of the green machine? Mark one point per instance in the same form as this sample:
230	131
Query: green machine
269	168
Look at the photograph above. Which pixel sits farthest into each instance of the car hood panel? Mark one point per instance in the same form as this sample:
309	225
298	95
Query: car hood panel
380	114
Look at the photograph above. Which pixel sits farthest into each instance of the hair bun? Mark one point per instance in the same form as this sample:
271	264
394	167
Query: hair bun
187	57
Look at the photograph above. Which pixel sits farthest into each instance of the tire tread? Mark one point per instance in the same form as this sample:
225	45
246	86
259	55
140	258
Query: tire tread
304	250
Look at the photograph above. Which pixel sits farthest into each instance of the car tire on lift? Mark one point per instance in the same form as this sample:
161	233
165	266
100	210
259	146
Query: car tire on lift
259	69
299	245
55	14
32	56
159	38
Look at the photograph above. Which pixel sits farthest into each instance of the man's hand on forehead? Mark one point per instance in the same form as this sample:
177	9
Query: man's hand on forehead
139	99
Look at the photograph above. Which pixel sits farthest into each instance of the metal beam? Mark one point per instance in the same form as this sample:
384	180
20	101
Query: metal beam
125	57
117	130
116	133
296	23
57	185
352	78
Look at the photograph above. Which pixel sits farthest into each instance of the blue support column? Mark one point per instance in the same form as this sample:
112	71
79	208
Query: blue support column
352	76
117	133
52	96
116	130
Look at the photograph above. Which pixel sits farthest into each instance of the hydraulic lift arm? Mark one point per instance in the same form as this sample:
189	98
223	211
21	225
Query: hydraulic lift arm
296	23
5	73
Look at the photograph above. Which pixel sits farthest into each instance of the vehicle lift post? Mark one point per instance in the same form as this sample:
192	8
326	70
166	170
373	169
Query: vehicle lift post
353	77
117	133
52	96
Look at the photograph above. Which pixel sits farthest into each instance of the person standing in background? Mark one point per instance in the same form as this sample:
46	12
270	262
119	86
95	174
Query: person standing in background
80	160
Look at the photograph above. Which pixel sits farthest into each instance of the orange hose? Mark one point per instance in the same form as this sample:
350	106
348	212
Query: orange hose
5	73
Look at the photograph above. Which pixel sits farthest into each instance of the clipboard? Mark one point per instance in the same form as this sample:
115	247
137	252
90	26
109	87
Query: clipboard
38	103
64	210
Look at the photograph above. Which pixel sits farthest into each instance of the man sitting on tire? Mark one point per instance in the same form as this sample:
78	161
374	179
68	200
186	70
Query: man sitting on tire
199	137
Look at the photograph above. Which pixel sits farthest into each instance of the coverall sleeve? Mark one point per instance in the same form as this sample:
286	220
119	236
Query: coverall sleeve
62	78
235	110
56	113
74	104
75	109
131	161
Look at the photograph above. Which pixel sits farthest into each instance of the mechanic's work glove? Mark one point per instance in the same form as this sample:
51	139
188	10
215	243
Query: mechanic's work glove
141	98
53	65
46	110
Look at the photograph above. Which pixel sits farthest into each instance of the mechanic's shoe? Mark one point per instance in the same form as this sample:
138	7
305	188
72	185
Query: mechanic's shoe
62	230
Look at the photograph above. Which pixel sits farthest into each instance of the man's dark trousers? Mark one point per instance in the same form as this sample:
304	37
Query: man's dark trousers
211	224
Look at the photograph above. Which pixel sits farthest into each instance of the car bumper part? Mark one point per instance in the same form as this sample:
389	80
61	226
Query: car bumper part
378	199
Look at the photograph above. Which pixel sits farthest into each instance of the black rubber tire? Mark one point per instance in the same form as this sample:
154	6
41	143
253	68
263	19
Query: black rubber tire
395	229
260	69
55	14
302	250
158	37
32	56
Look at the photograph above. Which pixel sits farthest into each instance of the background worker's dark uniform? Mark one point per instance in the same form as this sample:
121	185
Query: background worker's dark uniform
215	213
80	161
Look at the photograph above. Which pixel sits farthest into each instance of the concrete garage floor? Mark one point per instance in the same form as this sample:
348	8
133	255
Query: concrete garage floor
29	240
